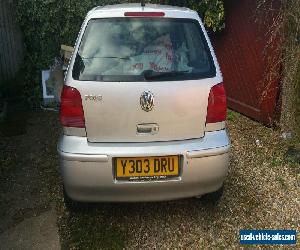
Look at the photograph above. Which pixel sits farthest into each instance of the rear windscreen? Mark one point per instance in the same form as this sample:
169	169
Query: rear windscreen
143	49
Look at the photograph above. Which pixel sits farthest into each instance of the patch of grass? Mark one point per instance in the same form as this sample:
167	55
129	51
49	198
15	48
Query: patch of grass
8	161
292	156
297	104
276	161
282	182
232	115
91	230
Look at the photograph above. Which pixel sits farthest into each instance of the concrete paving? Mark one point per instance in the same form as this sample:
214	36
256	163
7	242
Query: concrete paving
39	232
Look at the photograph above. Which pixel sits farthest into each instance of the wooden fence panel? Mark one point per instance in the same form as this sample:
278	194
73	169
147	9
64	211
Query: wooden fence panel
11	45
243	57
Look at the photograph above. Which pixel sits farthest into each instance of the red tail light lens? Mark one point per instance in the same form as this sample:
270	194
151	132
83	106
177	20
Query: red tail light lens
71	111
216	110
145	14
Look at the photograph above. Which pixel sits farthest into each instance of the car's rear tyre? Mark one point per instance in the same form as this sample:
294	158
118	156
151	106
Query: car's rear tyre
214	197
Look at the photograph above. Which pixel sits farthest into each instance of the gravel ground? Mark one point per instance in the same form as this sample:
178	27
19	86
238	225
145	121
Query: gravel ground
261	192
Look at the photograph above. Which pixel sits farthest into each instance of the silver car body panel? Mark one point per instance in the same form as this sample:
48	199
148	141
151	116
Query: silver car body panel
116	117
88	169
80	146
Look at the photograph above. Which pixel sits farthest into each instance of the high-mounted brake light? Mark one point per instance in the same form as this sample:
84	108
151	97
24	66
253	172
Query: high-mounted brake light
216	109
71	111
144	14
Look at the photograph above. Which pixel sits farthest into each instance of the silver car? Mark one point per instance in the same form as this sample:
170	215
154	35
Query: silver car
143	108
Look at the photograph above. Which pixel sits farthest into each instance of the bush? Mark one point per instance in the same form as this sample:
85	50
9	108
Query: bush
46	24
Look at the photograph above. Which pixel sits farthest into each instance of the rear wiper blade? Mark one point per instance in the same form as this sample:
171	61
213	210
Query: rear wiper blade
150	74
106	57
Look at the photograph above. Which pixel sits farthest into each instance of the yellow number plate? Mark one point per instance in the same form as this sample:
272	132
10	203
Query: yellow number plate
147	167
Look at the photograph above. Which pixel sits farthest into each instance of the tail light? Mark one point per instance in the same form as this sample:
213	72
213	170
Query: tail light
216	110
71	111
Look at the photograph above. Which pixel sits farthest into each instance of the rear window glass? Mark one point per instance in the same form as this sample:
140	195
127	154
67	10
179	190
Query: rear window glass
143	49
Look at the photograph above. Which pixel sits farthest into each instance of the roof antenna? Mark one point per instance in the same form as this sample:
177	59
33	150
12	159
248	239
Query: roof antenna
143	3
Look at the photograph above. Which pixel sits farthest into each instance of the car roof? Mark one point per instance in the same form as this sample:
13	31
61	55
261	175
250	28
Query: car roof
138	5
118	10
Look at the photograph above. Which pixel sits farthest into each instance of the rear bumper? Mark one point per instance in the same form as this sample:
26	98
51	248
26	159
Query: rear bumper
87	168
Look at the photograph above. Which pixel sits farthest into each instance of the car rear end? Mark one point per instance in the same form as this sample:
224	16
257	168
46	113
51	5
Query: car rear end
143	109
